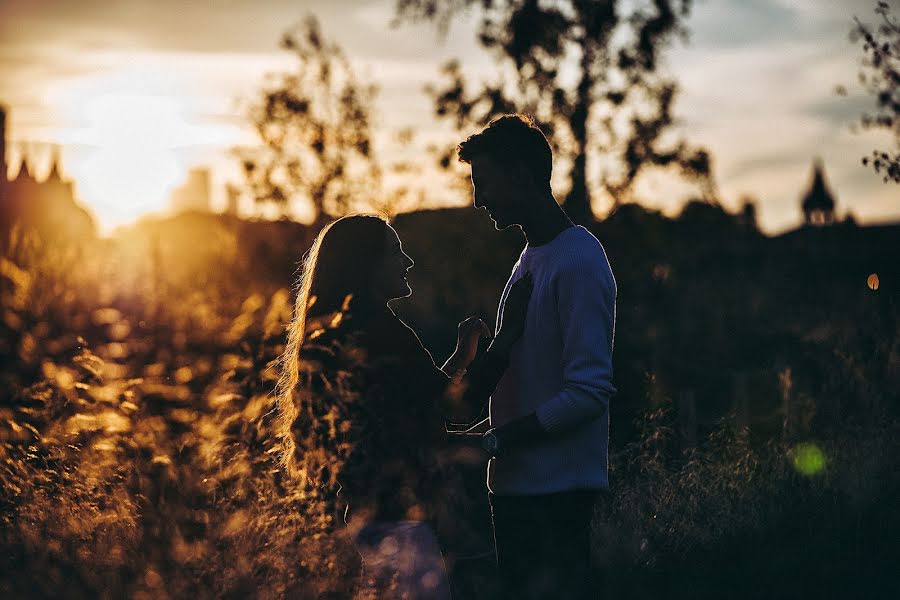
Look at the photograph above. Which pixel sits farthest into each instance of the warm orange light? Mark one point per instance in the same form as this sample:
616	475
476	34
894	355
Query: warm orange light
873	281
133	167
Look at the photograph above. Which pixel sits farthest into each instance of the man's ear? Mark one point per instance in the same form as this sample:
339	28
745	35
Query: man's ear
522	175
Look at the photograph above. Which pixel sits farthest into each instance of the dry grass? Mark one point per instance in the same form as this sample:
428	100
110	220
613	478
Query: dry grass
138	458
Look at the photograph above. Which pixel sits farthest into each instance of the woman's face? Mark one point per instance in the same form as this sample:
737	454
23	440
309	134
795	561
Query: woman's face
389	279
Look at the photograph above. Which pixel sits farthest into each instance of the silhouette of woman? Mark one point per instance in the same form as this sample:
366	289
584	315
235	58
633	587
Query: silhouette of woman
392	421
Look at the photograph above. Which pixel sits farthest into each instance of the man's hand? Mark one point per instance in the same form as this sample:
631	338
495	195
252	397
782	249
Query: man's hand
522	431
467	443
479	427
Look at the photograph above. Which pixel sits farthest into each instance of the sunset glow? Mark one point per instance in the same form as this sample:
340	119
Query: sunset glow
262	335
133	103
133	167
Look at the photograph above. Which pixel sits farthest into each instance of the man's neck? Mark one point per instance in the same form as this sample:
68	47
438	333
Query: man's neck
547	222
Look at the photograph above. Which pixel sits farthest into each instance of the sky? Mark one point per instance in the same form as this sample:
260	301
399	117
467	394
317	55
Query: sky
135	92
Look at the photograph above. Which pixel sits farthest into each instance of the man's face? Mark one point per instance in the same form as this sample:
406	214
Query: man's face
496	190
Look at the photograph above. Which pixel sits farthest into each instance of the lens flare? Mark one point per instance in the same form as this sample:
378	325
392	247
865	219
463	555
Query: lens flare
872	281
808	459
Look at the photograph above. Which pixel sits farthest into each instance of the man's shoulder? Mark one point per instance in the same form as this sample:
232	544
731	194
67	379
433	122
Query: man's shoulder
582	237
583	251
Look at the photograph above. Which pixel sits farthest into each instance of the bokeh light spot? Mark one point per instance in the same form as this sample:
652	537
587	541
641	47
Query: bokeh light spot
808	459
872	281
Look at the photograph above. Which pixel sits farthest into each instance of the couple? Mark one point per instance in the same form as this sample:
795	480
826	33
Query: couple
547	376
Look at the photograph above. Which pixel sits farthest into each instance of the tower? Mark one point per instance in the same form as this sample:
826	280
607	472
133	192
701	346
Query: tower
233	194
818	202
54	166
193	194
4	168
6	215
48	206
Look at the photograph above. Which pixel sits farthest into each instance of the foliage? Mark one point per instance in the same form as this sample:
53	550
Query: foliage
880	74
615	113
138	455
315	126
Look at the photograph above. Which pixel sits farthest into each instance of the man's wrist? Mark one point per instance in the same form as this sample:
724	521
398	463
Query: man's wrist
490	442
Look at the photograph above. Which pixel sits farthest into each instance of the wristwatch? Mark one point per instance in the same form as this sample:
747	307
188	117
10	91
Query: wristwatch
491	443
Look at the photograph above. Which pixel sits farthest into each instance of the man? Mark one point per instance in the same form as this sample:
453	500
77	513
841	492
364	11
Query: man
548	416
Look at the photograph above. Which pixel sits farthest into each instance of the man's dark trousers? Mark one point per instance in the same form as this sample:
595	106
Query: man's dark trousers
543	544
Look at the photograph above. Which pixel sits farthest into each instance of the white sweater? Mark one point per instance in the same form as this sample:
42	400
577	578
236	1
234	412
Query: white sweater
561	368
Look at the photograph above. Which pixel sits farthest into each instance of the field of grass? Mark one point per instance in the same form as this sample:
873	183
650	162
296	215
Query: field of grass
138	455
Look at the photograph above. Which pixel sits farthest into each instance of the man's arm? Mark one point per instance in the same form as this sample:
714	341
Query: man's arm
586	296
586	301
469	396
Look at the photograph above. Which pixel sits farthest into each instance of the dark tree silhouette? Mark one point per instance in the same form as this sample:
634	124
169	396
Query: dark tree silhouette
880	75
315	125
587	72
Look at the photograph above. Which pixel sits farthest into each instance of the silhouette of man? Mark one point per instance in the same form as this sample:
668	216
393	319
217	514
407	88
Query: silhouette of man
548	416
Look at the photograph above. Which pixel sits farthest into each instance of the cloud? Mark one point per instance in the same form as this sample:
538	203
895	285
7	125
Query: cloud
735	23
757	77
840	111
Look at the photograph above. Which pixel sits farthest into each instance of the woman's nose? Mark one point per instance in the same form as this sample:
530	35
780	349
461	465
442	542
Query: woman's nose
410	261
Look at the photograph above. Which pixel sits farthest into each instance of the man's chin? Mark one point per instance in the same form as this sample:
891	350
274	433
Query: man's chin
499	223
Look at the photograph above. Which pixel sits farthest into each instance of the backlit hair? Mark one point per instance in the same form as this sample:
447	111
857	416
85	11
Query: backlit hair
511	140
336	268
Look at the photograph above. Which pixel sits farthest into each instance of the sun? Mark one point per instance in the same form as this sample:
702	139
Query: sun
132	165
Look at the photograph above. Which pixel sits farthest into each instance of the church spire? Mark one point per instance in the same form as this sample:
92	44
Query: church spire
54	166
24	170
818	202
4	174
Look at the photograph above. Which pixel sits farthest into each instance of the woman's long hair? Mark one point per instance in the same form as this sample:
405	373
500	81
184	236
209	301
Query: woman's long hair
336	268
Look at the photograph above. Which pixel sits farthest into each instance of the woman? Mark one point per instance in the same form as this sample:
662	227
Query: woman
386	394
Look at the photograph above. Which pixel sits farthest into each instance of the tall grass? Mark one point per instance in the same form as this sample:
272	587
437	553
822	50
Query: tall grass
139	457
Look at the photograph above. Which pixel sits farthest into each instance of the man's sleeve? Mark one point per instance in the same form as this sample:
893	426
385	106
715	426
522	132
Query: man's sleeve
482	377
586	304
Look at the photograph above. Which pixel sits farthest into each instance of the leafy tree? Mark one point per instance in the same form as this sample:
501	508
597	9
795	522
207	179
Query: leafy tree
880	75
315	125
587	72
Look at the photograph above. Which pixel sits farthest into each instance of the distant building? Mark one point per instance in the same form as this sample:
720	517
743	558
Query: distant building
49	205
818	201
193	194
4	168
233	197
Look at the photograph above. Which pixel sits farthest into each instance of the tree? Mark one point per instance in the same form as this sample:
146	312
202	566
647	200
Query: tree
315	125
880	75
587	74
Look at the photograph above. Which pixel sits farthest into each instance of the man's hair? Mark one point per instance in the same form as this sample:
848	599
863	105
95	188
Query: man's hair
510	140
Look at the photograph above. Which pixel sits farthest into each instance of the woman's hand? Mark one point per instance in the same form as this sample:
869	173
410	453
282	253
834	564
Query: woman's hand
515	309
468	334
